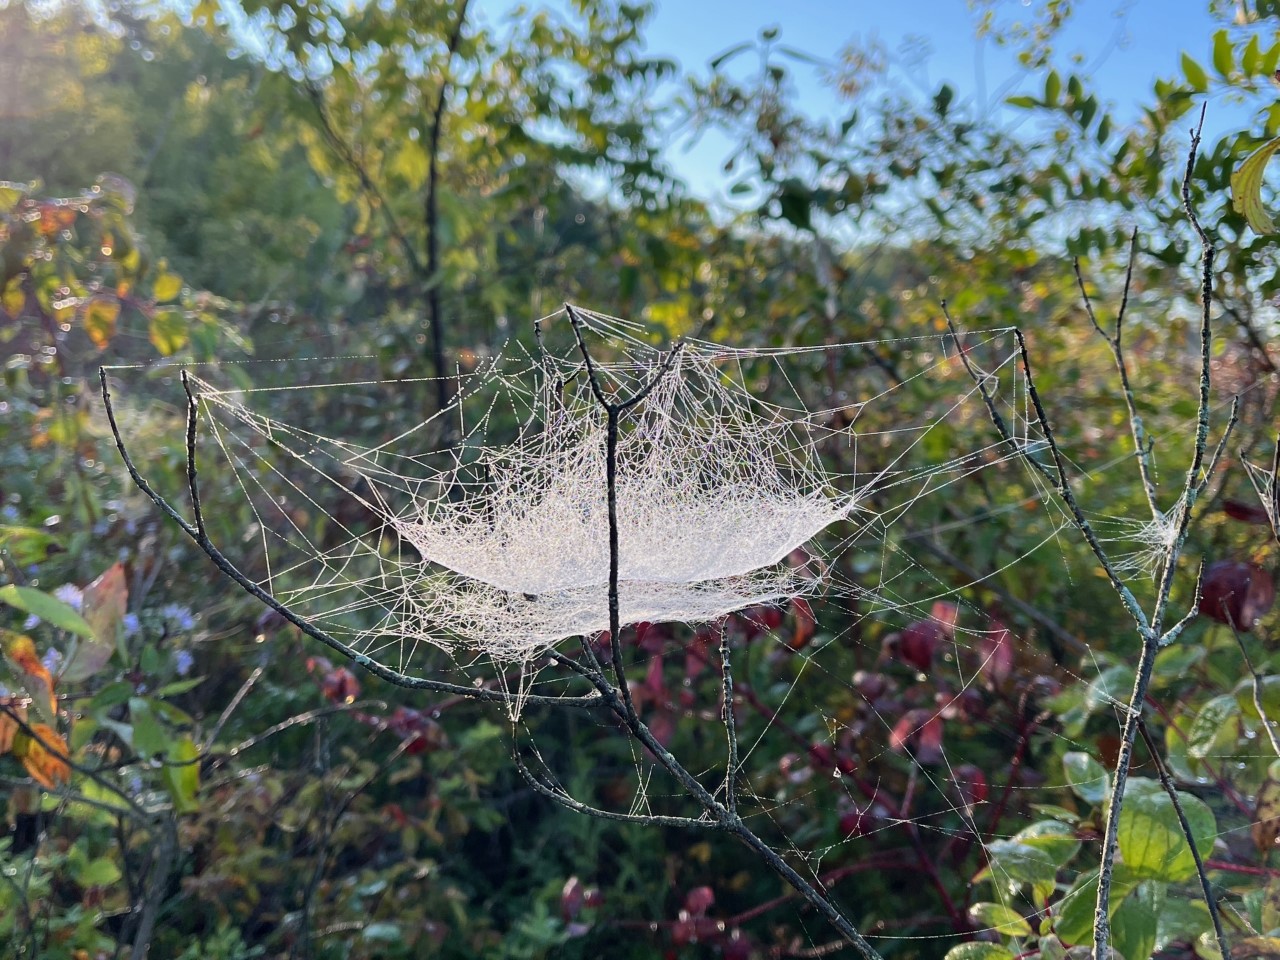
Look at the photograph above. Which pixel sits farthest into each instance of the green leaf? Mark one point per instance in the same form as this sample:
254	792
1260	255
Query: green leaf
1213	727
1134	923
795	203
726	55
168	331
27	545
980	951
1086	777
1223	55
1182	918
1019	863
1246	188
182	775
98	793
1196	75
179	686
101	872
1004	920
49	609
1173	663
149	737
382	930
1052	88
1251	59
1268	693
112	695
1112	685
1073	914
1150	836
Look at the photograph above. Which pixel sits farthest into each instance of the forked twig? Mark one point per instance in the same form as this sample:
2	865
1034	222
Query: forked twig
1151	630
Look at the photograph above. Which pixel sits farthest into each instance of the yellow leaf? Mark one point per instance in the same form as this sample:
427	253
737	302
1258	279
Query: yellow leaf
32	673
1246	188
44	755
15	298
167	287
100	320
169	331
8	725
411	162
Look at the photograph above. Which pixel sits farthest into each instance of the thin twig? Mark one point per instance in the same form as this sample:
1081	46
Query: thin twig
431	212
1267	724
564	799
1141	445
730	725
1206	889
620	700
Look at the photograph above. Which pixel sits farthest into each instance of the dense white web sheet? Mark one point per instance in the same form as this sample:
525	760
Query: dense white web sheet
483	531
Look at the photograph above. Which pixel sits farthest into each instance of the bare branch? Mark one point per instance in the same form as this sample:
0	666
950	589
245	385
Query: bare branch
253	589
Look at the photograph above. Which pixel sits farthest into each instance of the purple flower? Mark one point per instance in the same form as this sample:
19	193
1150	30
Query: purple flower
178	617
182	661
52	659
71	595
131	625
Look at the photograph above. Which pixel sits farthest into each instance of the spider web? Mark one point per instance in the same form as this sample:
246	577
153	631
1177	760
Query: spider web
482	531
474	541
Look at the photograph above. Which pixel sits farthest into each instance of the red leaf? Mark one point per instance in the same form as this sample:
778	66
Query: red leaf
806	624
971	783
946	613
1235	593
1245	512
34	676
915	645
572	898
46	764
340	686
918	732
699	900
996	649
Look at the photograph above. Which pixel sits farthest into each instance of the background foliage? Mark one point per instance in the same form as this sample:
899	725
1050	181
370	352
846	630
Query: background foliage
397	180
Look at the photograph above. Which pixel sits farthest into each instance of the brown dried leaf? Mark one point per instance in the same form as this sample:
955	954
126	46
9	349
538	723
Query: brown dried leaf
104	606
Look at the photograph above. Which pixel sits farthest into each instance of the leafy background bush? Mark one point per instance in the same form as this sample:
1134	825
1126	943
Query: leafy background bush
232	794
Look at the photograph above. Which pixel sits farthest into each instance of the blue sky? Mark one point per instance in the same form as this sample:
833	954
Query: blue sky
1123	44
